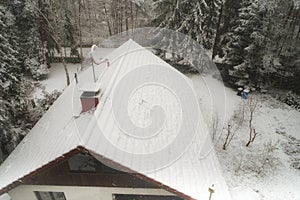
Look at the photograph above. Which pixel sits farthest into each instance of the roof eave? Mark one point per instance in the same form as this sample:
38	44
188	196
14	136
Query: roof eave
143	177
80	149
44	167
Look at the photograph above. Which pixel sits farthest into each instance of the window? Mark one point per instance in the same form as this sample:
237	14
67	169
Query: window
143	197
49	195
82	163
109	170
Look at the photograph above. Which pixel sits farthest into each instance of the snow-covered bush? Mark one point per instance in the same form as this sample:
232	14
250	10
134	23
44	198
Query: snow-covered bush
37	70
23	114
258	161
214	127
292	149
217	75
292	100
48	100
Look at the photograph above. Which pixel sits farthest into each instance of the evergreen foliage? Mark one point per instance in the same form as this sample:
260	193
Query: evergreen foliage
24	50
258	41
32	51
196	18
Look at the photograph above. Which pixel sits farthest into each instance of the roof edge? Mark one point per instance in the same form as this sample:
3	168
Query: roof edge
80	149
56	161
141	176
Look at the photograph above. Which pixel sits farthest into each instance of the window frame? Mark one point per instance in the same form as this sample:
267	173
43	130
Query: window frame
51	194
118	196
94	171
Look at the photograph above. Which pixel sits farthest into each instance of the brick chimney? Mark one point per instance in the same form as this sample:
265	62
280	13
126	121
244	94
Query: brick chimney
89	97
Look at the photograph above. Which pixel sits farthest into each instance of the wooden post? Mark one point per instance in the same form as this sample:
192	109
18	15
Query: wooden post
211	190
76	77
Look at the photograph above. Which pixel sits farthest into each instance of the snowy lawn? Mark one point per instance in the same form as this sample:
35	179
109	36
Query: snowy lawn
57	78
5	197
269	168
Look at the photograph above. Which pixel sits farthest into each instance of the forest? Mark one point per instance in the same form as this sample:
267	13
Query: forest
254	43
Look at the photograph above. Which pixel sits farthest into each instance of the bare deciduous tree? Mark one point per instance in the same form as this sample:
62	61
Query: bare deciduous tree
251	105
259	161
55	33
233	125
214	126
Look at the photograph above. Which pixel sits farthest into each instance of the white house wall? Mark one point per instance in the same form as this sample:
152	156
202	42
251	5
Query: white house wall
26	192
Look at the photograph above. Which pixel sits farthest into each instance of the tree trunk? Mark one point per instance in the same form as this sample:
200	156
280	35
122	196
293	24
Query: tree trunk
1	154
126	16
218	34
65	68
227	137
136	16
286	26
131	15
107	20
90	22
252	132
114	15
80	31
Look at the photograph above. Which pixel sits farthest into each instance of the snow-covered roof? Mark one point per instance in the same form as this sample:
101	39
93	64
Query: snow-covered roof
90	87
128	107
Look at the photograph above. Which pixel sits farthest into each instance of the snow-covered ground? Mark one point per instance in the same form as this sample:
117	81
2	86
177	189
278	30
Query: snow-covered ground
278	126
57	78
5	197
269	168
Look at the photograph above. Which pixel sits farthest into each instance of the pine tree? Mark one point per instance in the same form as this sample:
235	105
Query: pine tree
196	18
246	47
9	77
17	115
287	46
69	33
32	50
45	29
210	23
228	17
